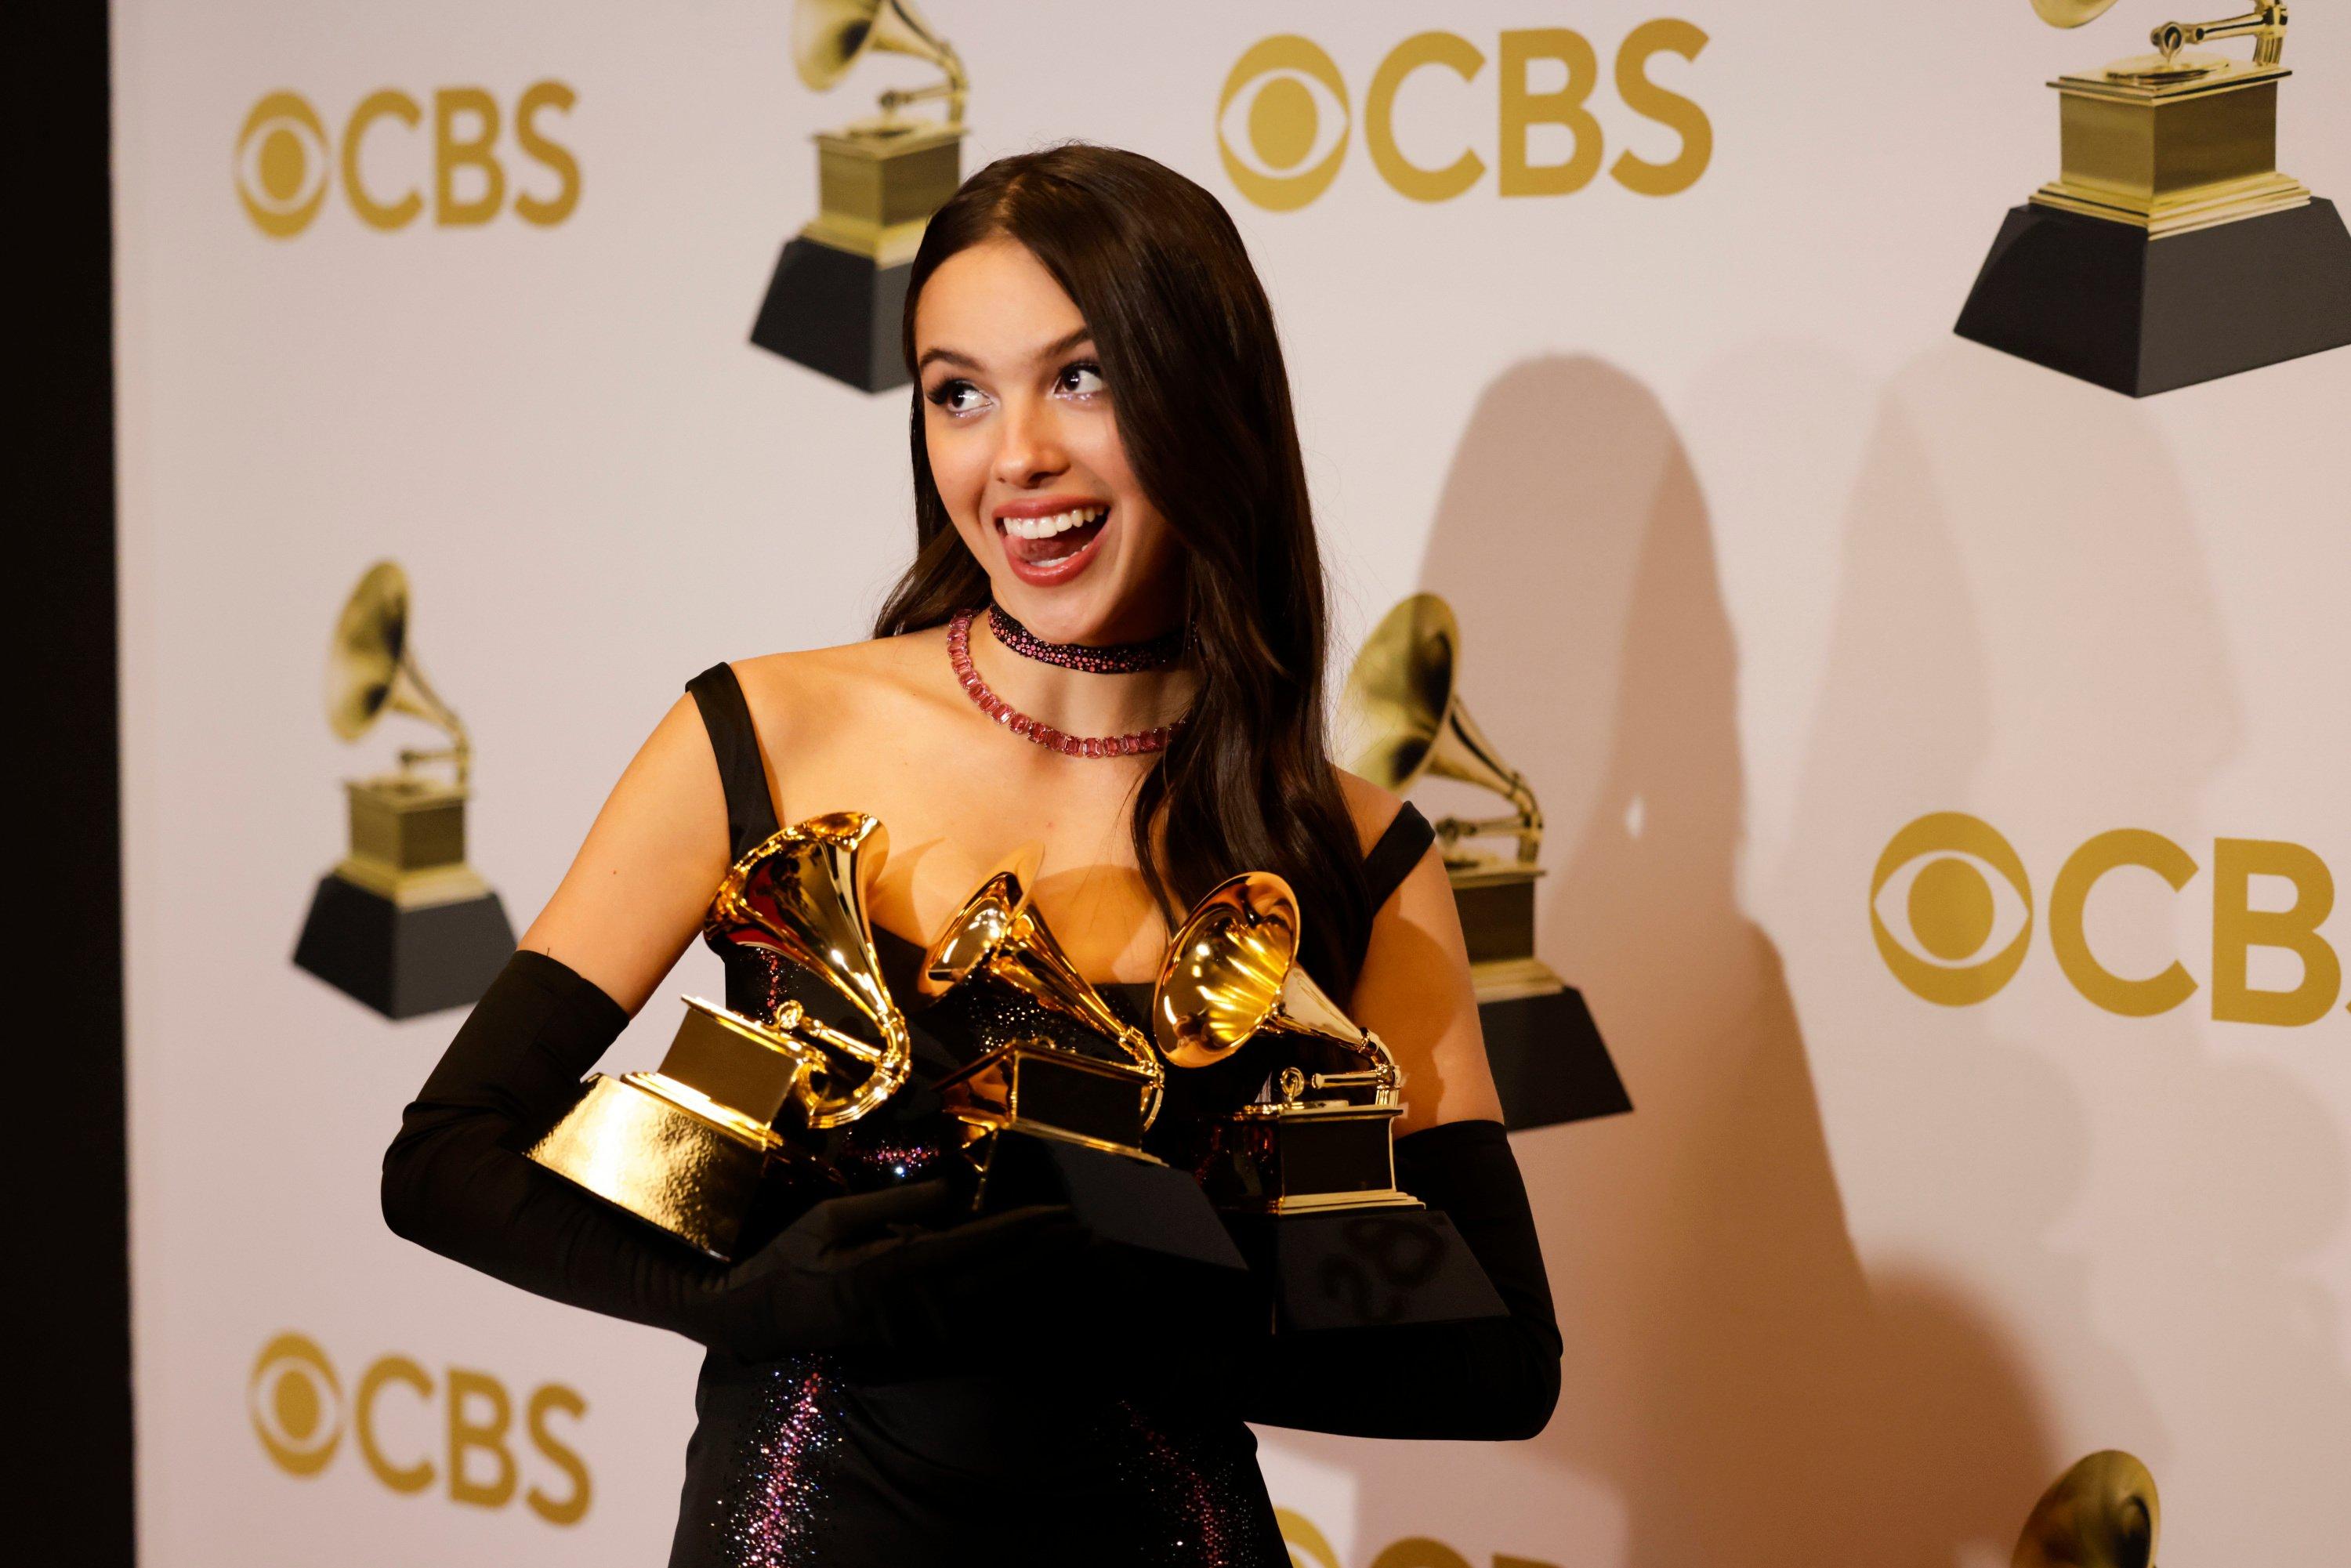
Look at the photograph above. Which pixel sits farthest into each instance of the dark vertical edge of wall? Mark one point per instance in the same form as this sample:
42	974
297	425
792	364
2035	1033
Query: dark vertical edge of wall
68	1246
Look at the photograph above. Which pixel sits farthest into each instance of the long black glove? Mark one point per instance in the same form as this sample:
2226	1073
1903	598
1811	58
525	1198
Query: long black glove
1481	1378
852	1271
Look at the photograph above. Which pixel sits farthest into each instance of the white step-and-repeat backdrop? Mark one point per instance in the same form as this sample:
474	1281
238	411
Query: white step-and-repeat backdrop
1624	324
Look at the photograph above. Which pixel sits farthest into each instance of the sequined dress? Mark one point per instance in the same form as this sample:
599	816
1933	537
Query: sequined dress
833	1459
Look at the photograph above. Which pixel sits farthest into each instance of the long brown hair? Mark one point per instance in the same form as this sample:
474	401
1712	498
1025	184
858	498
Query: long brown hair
1187	342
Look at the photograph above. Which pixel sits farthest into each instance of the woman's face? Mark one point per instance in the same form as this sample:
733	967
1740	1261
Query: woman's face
1024	450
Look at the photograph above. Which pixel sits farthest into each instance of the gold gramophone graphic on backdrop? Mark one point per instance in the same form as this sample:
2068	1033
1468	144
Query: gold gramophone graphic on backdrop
1031	1084
702	1146
2169	249
840	288
1403	702
2103	1513
403	923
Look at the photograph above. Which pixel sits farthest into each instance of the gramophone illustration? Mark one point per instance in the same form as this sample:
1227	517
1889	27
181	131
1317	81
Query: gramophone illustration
1402	703
402	923
1404	699
701	1146
840	288
1306	1167
2169	249
2102	1514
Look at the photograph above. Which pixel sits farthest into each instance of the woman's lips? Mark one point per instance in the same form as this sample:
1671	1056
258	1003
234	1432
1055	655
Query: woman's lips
1045	563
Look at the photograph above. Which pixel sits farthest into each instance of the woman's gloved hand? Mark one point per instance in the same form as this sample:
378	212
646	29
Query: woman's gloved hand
900	1269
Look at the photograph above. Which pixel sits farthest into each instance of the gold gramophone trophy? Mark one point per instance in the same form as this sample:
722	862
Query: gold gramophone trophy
1305	1170
2102	1514
840	288
402	923
701	1147
2169	249
1312	1139
1050	1123
1033	1083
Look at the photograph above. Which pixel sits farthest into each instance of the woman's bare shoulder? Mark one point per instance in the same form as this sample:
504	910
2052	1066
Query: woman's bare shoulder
784	688
1371	807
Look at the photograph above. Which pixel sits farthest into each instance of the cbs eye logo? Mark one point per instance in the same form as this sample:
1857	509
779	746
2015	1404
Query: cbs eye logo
1951	908
281	165
1282	123
297	1404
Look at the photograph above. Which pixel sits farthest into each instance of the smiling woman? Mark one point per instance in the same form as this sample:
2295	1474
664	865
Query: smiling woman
1089	333
1109	644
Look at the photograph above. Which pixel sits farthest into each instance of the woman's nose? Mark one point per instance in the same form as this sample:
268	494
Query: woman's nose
1030	449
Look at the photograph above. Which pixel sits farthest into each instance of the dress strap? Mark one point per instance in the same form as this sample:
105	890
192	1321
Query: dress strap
1399	849
750	804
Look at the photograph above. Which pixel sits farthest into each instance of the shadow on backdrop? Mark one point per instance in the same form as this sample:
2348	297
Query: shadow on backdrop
1735	1391
2025	625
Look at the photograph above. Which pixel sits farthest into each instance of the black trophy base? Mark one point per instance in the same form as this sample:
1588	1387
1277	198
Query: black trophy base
1134	1203
1364	1268
1549	1064
836	313
2102	302
404	963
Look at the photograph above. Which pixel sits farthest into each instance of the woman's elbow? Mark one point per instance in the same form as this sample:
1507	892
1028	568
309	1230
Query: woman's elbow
1533	1397
403	1210
1533	1412
417	1178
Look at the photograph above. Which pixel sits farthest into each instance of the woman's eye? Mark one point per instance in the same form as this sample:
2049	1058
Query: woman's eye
955	396
1083	379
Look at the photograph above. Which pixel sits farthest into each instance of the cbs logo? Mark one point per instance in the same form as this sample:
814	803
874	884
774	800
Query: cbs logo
1951	909
1310	1548
285	161
300	1413
1283	118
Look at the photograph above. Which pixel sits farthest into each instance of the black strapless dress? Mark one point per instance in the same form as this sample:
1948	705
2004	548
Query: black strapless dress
840	1461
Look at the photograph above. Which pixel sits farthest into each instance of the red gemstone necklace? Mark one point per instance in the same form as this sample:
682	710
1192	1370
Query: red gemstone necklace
1021	724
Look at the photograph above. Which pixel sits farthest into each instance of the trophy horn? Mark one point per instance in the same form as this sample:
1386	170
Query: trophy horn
370	670
1232	972
831	35
2102	1514
1404	697
1000	933
803	894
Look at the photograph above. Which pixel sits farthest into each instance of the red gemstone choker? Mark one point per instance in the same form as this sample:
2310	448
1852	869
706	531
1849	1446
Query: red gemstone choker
1112	659
1021	724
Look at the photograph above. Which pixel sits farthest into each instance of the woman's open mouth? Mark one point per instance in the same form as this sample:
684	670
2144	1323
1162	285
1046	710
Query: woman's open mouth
1052	550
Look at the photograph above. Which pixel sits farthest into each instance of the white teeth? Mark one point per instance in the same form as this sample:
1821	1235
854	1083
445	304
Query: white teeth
1046	528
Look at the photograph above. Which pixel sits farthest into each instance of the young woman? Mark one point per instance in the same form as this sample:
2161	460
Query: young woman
1110	640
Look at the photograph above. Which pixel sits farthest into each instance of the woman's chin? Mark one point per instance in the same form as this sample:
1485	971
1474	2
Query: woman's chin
1079	613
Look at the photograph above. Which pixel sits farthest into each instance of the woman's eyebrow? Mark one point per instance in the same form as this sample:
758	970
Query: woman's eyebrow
950	356
1059	345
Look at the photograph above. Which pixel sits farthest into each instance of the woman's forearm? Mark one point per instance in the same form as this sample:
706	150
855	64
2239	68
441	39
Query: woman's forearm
455	1181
